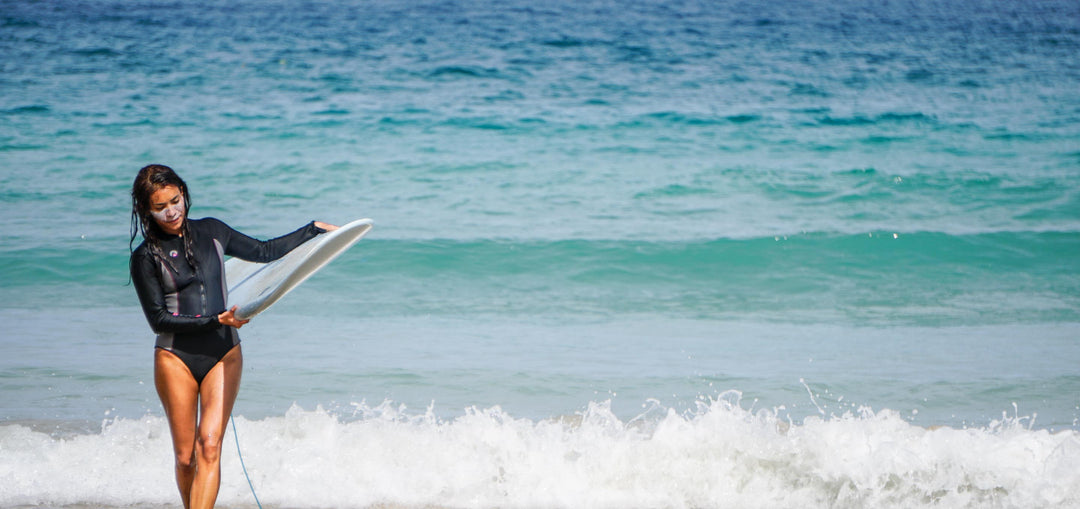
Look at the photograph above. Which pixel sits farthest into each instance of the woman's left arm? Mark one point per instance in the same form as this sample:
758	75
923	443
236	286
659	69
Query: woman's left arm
251	249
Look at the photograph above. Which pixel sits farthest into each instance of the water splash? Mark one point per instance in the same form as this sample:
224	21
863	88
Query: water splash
719	453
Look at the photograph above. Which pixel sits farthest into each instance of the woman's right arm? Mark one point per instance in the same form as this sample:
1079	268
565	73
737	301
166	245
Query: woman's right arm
145	276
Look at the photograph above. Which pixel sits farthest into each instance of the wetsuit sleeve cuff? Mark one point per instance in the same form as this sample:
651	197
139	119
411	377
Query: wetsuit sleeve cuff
316	229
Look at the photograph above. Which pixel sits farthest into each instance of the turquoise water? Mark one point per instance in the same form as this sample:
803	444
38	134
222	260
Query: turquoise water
617	246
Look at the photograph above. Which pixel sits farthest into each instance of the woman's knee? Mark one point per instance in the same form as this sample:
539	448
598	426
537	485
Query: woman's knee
209	447
185	460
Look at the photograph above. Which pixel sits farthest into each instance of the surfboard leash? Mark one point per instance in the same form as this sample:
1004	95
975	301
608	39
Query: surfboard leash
237	438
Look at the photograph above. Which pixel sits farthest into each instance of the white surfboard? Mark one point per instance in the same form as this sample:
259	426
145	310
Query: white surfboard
254	287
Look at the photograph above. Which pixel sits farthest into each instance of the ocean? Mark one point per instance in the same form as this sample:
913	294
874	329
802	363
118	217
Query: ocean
682	254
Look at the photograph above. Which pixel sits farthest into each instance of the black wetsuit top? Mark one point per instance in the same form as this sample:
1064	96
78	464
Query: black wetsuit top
182	303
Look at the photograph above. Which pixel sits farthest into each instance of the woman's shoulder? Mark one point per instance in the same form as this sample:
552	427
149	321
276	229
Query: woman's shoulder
204	222
207	224
142	255
141	250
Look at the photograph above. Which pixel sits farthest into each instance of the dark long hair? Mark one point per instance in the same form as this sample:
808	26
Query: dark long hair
151	179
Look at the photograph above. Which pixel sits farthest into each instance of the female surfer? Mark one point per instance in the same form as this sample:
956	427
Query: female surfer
178	272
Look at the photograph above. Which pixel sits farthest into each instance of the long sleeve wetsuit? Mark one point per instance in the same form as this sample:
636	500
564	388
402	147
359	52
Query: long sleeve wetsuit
182	303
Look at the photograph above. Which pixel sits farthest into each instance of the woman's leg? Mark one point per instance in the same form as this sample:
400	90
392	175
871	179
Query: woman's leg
179	394
218	393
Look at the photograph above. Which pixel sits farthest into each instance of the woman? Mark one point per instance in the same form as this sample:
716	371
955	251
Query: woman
178	271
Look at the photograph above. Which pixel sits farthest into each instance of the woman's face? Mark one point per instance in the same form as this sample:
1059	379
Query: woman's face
167	207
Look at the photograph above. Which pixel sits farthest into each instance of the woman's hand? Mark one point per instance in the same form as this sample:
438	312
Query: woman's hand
326	226
229	318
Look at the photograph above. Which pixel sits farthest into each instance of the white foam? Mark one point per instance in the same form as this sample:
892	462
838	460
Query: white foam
722	455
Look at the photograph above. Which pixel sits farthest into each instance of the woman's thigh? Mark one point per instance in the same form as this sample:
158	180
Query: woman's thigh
179	394
218	393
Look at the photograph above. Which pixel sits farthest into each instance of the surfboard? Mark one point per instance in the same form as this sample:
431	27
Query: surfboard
254	287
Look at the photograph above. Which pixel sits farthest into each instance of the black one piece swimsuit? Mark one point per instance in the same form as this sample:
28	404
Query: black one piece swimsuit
181	303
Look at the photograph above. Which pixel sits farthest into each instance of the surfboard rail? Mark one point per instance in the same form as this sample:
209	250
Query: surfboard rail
254	287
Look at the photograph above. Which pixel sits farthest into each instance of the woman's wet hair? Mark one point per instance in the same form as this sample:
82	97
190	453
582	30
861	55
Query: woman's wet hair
151	179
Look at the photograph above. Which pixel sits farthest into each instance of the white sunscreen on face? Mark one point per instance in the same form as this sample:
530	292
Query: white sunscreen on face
170	213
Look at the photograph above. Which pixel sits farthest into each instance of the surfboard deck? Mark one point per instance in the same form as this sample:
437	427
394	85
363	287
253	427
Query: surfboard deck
254	287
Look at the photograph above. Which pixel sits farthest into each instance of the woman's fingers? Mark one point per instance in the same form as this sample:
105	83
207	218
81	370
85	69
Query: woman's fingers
229	318
326	226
